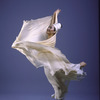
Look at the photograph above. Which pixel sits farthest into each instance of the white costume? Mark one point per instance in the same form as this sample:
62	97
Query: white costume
32	41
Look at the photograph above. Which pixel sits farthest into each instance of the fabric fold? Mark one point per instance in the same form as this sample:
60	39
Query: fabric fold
32	41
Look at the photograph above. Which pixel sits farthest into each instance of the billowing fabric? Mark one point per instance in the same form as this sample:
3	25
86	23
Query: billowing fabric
32	41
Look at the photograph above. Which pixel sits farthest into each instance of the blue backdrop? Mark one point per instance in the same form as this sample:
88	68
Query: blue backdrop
78	40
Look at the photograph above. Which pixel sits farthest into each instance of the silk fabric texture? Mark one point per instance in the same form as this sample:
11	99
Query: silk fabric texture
32	41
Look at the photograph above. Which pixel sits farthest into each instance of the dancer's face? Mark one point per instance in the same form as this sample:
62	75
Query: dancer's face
51	31
51	28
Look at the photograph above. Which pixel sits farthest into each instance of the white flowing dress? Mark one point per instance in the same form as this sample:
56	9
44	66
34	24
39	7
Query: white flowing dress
32	41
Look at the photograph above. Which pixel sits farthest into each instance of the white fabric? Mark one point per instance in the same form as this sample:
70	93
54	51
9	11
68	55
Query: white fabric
57	26
41	52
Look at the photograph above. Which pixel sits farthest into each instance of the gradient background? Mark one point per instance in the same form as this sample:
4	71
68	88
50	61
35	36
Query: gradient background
78	40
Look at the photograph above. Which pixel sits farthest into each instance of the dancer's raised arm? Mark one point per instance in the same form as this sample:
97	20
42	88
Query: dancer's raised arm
55	17
54	25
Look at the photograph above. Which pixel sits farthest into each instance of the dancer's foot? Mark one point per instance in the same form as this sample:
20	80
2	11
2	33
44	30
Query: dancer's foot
82	64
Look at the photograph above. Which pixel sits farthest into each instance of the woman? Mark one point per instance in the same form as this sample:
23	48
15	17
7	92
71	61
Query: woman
36	41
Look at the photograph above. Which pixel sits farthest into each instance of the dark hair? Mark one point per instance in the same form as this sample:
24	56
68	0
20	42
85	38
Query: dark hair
54	29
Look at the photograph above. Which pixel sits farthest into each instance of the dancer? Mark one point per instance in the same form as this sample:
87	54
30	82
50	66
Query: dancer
36	41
